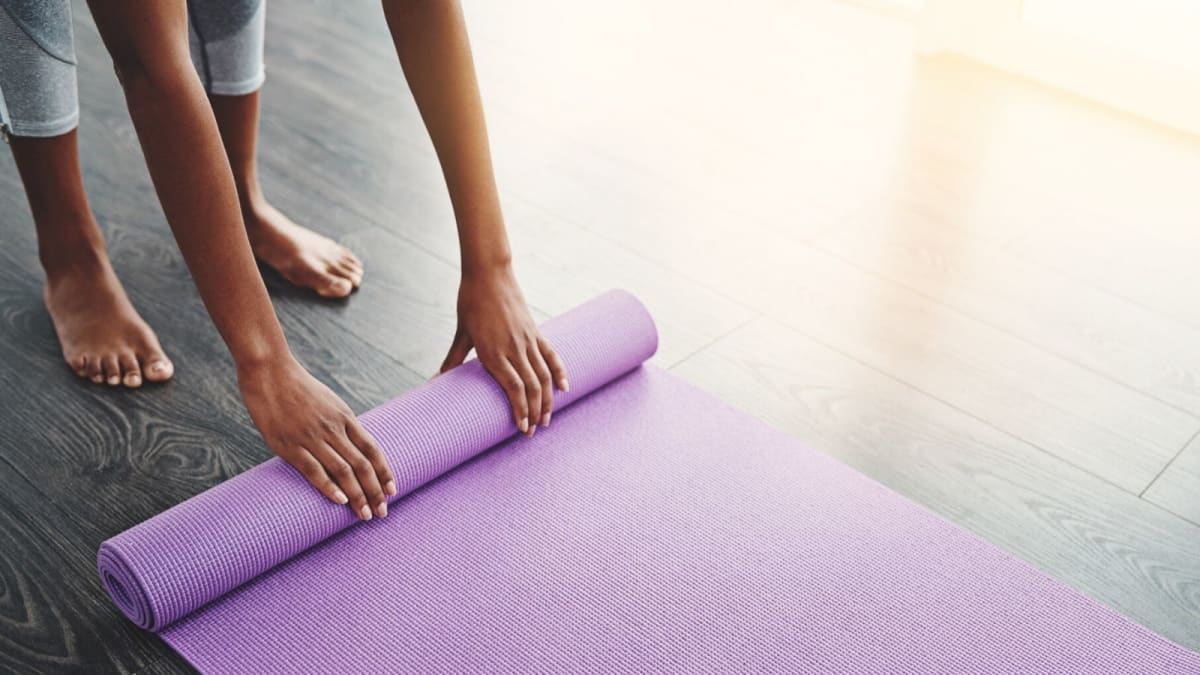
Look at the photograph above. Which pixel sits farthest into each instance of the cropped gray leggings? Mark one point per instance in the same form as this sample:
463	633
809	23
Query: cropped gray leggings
38	94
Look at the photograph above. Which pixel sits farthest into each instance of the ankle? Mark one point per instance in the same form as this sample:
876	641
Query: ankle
60	262
249	192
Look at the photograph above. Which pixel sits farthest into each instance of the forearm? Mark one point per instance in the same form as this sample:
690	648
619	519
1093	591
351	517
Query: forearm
435	53
192	176
493	318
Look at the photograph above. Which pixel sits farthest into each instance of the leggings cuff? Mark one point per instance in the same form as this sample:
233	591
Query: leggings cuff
238	88
48	129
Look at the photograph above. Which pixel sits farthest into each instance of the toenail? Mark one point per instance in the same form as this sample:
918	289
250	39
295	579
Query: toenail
115	379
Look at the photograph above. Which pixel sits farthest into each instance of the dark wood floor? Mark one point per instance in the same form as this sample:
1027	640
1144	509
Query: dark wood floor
980	292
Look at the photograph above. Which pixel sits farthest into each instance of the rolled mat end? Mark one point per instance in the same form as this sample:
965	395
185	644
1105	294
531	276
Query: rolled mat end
125	588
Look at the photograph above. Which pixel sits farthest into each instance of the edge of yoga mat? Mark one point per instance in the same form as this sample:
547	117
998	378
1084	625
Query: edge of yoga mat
168	566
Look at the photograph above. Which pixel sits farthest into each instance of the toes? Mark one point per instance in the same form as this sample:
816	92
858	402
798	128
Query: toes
131	372
78	365
112	369
335	287
158	368
351	260
343	268
82	365
93	369
327	284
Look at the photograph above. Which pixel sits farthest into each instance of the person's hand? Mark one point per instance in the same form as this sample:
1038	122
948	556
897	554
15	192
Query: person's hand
313	430
494	320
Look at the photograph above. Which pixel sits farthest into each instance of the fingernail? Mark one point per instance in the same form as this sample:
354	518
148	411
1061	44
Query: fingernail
381	510
390	488
340	497
546	420
532	430
523	425
365	512
566	386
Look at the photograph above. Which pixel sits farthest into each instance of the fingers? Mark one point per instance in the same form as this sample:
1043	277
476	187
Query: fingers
344	476
364	472
459	348
557	369
514	387
350	469
533	392
542	371
318	477
367	446
529	379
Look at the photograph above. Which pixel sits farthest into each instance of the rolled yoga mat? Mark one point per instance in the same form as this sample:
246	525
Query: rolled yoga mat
651	528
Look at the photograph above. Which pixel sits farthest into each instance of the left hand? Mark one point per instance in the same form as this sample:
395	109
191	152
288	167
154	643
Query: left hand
494	320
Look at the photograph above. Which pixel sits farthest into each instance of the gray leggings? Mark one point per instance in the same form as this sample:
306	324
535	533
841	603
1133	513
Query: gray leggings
38	94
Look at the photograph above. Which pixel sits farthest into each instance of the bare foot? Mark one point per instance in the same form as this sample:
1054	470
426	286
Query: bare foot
103	338
302	256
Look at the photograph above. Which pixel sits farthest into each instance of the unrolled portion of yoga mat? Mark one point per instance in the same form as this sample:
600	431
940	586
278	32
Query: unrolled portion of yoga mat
651	528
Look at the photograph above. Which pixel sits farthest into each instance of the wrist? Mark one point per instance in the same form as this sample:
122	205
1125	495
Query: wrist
252	364
492	266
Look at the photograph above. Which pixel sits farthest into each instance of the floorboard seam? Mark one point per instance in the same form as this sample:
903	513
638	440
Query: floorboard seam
1005	331
1085	281
709	343
1166	466
931	396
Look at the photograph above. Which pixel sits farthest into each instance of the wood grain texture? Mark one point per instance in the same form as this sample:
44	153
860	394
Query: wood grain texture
52	618
1116	548
941	275
1103	332
1178	488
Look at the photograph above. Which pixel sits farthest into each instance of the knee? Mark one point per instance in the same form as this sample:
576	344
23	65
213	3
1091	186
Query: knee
158	71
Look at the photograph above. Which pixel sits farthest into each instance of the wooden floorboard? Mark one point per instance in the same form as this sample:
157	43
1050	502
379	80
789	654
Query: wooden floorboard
1102	426
1072	319
1178	488
980	292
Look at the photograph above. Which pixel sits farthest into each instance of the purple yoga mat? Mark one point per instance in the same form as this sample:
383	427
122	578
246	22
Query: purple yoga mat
651	528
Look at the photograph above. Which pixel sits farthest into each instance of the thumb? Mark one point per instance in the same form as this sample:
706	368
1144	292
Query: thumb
458	351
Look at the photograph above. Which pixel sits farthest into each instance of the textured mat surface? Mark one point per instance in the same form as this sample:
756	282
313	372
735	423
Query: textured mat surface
651	528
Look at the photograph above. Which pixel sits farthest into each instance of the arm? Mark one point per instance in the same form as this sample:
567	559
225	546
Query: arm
431	41
300	419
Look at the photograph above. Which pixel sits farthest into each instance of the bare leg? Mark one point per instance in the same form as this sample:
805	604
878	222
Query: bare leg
302	256
102	336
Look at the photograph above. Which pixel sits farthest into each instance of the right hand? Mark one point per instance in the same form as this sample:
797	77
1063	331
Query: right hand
307	425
